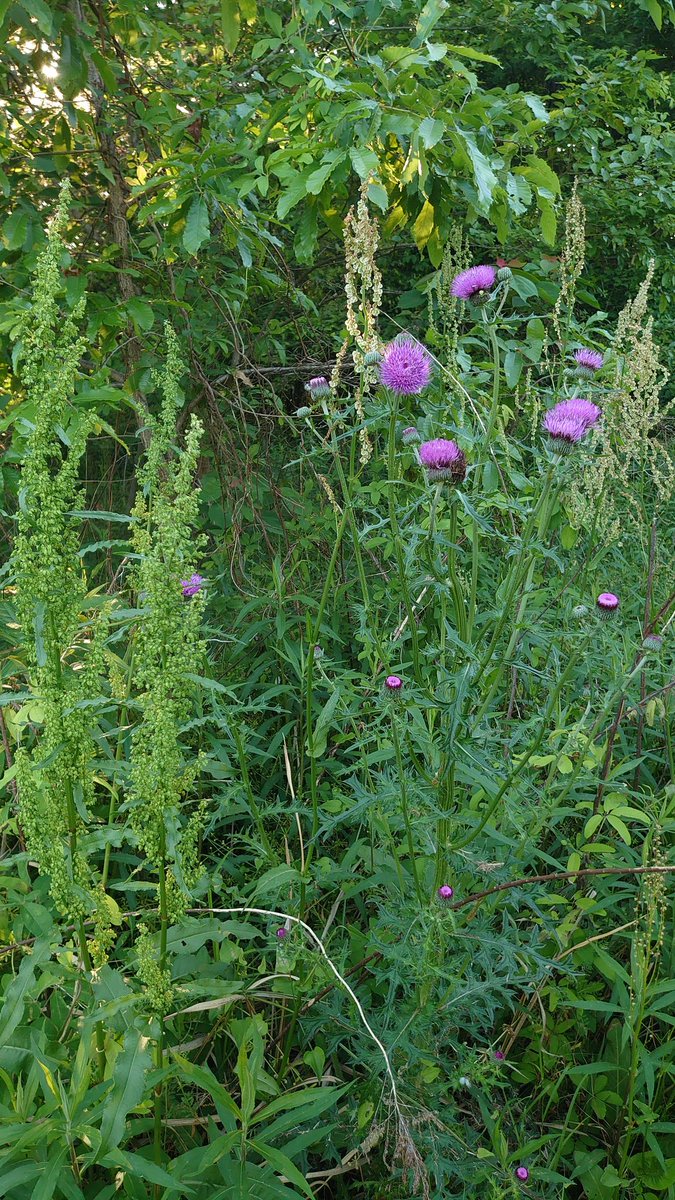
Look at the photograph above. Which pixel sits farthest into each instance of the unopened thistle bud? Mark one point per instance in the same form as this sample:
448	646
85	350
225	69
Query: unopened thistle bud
445	893
303	412
410	436
653	641
607	605
371	358
318	387
504	274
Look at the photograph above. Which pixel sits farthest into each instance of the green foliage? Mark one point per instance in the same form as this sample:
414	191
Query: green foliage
226	967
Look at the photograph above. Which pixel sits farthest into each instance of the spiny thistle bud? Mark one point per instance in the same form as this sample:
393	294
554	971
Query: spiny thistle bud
445	893
653	641
580	611
410	436
504	274
318	387
304	411
372	358
393	685
474	285
443	459
607	605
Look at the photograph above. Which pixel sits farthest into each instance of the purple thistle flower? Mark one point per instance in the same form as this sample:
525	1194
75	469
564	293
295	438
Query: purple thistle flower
589	360
607	604
192	586
499	1055
282	933
474	284
567	423
583	410
318	387
443	459
393	683
445	892
523	1174
406	366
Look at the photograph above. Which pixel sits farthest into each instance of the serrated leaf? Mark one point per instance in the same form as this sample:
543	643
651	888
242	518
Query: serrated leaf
364	161
197	229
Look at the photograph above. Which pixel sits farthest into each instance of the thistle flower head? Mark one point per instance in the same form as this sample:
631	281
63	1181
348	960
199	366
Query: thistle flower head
590	360
607	604
474	284
583	410
499	1055
568	422
406	366
445	893
393	684
192	586
523	1174
282	933
410	435
443	459
318	387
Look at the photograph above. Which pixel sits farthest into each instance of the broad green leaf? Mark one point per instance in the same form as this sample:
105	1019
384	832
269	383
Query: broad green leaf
295	190
127	1091
364	161
431	131
141	313
485	178
136	1164
230	19
429	17
423	227
315	181
377	194
197	229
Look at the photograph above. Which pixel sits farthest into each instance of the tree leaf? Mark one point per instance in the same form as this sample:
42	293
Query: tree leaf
230	19
364	161
197	229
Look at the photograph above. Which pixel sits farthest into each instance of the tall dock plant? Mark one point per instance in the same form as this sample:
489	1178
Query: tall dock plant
62	637
167	650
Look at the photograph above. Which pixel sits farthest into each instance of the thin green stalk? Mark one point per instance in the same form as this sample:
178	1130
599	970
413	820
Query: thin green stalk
496	367
159	1044
455	585
114	796
540	515
246	780
358	557
475	549
72	841
395	532
309	696
442	824
405	808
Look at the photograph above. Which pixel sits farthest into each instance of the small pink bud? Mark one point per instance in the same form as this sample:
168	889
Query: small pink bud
523	1174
